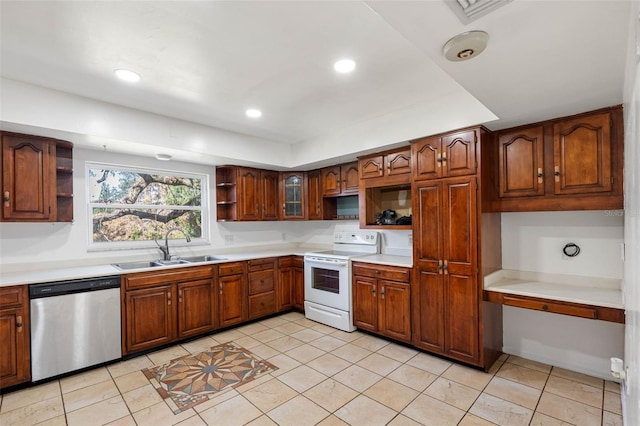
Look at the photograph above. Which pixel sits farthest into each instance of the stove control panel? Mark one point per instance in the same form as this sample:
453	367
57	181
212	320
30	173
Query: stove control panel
356	237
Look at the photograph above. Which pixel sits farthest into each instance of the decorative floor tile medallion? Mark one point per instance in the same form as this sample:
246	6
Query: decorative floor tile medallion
192	379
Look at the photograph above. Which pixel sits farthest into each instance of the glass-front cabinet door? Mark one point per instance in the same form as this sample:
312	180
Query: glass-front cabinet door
293	195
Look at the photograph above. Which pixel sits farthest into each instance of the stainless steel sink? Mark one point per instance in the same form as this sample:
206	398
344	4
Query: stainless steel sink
150	264
160	262
205	258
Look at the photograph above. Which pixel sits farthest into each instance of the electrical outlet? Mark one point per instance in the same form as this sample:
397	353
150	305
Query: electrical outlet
228	239
410	240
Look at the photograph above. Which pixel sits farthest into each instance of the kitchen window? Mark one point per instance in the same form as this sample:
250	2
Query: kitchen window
130	207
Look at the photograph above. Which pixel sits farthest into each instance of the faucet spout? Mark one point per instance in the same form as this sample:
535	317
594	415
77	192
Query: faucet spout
166	255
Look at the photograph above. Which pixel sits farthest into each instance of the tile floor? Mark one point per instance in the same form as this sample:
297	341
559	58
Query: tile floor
327	377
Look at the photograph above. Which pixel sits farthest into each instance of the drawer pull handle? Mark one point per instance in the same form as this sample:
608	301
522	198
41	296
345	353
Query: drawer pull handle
373	290
545	308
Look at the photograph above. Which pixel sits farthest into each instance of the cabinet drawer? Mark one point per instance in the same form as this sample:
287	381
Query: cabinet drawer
261	264
259	282
262	304
232	268
382	272
12	296
153	278
554	307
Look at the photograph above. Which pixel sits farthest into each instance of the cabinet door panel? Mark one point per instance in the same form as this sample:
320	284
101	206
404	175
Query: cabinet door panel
298	288
459	153
196	307
284	295
398	163
14	351
521	163
350	178
365	303
425	153
395	310
371	167
461	313
233	299
428	226
582	153
293	195
460	225
28	178
428	311
150	318
269	195
315	195
331	181
248	199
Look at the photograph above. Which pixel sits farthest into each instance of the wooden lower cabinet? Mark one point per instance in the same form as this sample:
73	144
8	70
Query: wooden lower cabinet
232	289
290	284
15	360
262	287
164	306
381	300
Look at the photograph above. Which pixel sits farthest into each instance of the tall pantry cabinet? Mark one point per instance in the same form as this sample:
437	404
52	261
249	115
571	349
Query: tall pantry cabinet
449	316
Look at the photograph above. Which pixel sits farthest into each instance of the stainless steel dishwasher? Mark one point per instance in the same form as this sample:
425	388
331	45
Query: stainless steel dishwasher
74	325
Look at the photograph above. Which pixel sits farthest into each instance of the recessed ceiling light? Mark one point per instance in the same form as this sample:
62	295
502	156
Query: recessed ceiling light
344	66
127	75
164	157
253	113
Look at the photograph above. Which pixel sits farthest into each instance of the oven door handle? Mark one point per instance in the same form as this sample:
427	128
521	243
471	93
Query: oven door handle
324	262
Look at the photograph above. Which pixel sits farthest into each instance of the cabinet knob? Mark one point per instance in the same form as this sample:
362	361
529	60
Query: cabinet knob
540	175
382	292
556	173
545	308
19	323
6	198
373	290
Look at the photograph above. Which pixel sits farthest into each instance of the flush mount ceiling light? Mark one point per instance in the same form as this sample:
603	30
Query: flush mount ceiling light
127	75
344	66
465	46
253	113
163	157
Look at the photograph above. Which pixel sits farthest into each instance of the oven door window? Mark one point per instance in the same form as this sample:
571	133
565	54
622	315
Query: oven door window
326	280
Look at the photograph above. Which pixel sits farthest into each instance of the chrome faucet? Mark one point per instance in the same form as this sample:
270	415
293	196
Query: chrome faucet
165	249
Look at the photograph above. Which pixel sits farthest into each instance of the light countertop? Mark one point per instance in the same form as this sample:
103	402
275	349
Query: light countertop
386	259
595	291
71	271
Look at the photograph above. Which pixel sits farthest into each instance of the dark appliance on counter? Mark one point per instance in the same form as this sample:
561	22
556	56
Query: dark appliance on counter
387	217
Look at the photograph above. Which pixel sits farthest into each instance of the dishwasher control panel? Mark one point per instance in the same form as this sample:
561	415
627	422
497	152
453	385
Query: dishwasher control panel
74	286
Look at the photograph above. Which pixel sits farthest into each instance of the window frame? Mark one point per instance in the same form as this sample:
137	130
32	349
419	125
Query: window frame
137	244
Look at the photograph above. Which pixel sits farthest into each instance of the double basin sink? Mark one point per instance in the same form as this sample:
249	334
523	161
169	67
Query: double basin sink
160	262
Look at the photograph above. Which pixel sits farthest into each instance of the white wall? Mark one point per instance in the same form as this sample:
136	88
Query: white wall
56	245
534	242
631	283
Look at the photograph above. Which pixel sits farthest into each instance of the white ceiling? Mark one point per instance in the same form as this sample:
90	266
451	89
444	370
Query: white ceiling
207	61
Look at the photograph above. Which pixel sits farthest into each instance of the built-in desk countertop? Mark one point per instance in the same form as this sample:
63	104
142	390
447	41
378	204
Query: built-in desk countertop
586	297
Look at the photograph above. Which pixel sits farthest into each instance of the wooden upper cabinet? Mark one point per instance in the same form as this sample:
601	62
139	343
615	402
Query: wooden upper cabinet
28	178
448	155
340	180
569	163
521	162
386	164
582	155
257	194
293	193
314	197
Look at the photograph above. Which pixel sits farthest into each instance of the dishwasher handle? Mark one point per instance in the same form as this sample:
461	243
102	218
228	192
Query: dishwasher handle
59	288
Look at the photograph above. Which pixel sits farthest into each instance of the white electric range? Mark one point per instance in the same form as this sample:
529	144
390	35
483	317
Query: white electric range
327	278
